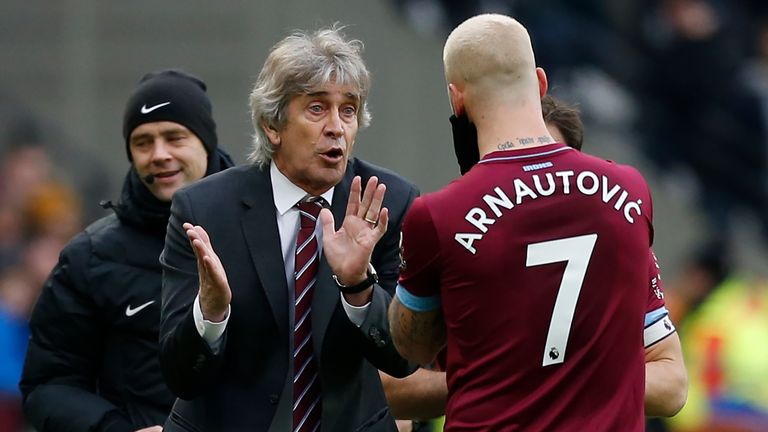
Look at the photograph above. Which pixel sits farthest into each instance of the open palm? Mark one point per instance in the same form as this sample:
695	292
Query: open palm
215	294
349	249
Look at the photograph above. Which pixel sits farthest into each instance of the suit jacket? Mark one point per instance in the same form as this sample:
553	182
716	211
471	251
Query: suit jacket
239	387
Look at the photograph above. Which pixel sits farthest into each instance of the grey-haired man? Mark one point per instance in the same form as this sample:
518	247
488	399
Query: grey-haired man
277	275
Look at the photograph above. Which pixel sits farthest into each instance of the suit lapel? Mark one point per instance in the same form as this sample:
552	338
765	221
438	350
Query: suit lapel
259	224
326	293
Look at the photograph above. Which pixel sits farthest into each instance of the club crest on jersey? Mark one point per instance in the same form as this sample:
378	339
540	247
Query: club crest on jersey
497	202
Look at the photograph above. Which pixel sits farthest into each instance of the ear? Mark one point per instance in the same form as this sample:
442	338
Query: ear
272	133
456	97
542	76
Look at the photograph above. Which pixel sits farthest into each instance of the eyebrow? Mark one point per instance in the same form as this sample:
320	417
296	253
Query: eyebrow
170	131
173	131
137	137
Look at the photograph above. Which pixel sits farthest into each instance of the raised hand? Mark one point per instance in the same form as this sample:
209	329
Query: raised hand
215	294
349	249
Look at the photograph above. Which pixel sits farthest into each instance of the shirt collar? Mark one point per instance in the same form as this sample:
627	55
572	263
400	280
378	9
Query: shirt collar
525	152
287	194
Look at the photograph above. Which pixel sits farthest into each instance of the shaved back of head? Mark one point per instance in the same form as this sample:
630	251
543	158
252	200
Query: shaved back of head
488	53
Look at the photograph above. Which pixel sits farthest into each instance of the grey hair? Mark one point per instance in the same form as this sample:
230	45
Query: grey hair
302	63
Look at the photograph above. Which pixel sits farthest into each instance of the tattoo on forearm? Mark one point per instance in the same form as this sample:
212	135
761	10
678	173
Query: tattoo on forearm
421	331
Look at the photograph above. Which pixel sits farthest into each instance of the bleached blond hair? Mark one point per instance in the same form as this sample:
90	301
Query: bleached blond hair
488	53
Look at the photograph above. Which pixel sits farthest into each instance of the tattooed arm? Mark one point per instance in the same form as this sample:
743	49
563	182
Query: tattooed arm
418	336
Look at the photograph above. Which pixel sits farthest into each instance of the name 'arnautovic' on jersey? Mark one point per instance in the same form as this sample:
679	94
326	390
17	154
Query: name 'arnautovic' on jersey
541	262
502	198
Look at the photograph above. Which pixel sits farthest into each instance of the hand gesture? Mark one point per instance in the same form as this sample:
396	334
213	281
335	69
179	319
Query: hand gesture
215	294
349	249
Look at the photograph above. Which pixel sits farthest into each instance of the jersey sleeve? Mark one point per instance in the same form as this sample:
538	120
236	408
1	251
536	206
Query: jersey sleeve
658	325
419	286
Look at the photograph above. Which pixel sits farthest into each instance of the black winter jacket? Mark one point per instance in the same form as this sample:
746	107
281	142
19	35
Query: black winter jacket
92	361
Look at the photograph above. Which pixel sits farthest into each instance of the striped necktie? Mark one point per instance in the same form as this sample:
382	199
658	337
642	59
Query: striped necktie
306	381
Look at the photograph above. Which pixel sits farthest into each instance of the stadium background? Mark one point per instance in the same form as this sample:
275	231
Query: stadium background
67	66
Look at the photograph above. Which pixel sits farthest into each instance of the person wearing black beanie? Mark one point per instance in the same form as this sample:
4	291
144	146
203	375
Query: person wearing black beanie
92	360
170	110
171	95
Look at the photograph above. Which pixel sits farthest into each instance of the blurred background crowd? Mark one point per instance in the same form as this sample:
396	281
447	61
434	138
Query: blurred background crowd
678	88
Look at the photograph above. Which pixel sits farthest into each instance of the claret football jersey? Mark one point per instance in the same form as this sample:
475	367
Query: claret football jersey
541	262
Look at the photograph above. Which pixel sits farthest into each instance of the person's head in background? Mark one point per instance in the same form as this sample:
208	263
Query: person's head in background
25	164
563	121
307	105
169	132
707	266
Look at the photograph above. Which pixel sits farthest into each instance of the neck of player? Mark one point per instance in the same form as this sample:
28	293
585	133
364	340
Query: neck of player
511	128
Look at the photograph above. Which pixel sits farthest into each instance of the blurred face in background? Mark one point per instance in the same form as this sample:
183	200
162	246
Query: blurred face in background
170	153
18	292
23	170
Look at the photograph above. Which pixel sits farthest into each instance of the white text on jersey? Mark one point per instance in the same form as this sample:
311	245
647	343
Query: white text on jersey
586	183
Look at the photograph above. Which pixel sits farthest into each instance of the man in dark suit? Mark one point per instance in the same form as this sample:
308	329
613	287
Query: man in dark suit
269	320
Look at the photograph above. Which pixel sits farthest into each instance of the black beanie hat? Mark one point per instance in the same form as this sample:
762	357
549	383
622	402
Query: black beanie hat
171	95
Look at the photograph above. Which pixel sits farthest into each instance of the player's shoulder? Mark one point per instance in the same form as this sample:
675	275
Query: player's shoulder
607	164
443	196
419	224
588	162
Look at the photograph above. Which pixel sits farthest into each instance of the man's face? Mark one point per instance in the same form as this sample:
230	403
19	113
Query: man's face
171	153
313	147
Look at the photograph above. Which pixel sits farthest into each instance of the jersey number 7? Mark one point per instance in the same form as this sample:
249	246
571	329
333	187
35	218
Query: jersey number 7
576	251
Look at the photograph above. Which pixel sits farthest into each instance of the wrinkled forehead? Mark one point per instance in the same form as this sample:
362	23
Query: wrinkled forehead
161	127
333	79
332	89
